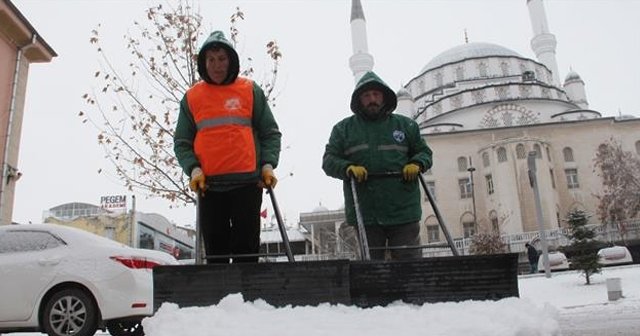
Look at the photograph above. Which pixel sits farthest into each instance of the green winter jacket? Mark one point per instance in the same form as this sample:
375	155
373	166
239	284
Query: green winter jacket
383	145
265	129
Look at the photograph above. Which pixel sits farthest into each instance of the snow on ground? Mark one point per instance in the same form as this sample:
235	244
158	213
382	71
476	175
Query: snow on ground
542	303
546	307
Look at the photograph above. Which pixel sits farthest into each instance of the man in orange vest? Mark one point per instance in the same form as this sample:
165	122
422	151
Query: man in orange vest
228	142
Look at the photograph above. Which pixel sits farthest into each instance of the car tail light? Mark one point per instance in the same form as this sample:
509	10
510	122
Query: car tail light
136	262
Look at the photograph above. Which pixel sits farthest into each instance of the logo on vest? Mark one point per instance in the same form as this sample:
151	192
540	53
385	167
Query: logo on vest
232	104
398	136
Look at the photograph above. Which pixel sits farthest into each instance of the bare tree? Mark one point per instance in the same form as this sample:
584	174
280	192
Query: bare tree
620	173
135	110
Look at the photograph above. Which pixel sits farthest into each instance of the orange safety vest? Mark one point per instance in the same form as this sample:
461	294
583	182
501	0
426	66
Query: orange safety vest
224	142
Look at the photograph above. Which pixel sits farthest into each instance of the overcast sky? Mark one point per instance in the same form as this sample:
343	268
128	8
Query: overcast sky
60	158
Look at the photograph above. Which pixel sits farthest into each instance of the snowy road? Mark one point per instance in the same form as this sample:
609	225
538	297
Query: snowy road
609	319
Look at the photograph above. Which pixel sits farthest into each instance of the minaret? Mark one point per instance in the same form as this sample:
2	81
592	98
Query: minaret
361	61
543	42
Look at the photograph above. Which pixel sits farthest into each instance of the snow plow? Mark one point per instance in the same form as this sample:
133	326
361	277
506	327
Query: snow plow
363	283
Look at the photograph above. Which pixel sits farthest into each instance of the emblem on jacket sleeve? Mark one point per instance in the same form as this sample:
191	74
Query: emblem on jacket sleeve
398	135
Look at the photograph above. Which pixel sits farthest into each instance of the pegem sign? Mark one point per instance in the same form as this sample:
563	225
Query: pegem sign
113	202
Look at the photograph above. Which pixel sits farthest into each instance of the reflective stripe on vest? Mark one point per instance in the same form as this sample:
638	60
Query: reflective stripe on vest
224	142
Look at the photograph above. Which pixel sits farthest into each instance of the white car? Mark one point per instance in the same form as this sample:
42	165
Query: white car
615	255
65	281
557	262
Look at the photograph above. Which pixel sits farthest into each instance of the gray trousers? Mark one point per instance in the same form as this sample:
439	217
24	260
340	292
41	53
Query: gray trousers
394	236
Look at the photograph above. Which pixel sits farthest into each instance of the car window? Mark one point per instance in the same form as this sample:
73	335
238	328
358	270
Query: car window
24	241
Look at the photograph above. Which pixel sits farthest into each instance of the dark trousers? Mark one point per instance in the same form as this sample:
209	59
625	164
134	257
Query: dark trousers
394	235
230	223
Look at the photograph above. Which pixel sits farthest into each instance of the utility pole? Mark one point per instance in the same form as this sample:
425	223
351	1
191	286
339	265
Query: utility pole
531	163
471	169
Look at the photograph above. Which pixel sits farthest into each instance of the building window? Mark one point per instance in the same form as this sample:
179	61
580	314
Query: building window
520	152
465	188
638	147
553	179
504	66
460	73
482	69
433	233
462	164
438	79
567	153
548	154
572	178
502	154
538	151
489	180
485	159
469	229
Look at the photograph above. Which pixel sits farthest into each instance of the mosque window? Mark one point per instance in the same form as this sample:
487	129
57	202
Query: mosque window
525	91
460	73
502	154
438	77
462	164
504	66
548	153
482	69
502	92
539	73
456	101
546	93
520	152
567	153
538	151
489	180
638	147
464	184
572	178
553	179
485	159
433	233
507	118
468	227
431	185
478	96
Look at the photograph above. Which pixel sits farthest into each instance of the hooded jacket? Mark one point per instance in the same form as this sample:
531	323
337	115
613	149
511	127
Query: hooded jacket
385	144
195	134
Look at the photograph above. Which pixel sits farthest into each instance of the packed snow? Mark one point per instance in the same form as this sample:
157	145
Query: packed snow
537	312
545	304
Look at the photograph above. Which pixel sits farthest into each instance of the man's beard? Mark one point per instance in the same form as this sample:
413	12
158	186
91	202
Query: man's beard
373	111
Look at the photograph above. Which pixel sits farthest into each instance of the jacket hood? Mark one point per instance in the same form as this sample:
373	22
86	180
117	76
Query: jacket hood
370	81
217	39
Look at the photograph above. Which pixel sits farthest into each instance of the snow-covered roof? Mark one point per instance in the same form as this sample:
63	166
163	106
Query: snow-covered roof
273	236
468	50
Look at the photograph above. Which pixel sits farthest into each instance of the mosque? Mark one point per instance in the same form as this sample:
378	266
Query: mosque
484	109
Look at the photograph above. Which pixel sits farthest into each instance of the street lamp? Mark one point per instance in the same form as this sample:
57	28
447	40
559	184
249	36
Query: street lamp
471	169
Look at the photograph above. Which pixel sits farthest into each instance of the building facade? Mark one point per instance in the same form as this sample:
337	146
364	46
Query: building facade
20	46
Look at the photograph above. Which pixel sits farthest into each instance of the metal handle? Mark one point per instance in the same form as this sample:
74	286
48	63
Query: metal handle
283	230
362	236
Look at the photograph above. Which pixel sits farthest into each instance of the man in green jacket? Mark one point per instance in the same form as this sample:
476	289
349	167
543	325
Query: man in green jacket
374	140
228	142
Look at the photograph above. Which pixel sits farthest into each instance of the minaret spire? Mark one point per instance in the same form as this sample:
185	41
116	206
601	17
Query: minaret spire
361	61
543	42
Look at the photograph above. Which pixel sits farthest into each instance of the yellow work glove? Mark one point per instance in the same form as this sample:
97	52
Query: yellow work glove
358	172
268	178
410	171
197	183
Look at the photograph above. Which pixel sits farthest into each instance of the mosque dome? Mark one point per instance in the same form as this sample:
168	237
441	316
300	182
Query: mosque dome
466	51
320	208
572	75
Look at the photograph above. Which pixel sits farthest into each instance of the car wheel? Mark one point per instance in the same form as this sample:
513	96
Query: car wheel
125	328
70	311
